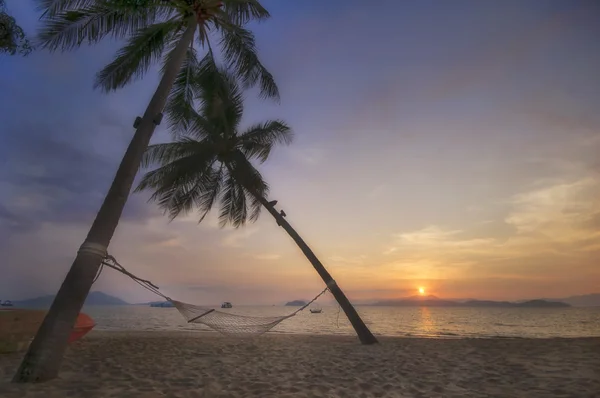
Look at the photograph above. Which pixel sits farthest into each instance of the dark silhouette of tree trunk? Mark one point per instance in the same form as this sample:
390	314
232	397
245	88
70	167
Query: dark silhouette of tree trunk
364	334
44	356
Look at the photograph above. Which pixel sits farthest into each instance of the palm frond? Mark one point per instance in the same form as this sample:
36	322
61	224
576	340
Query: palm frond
162	154
184	177
136	57
68	28
210	196
259	189
55	6
234	209
255	187
201	128
258	140
170	46
179	189
221	98
180	104
188	194
241	12
240	54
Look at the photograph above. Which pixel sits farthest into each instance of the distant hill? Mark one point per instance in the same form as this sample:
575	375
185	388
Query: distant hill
432	301
94	298
295	303
585	300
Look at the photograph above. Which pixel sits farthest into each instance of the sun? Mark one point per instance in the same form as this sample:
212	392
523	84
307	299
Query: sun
421	290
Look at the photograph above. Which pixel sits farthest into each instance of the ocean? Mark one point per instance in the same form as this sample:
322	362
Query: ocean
434	322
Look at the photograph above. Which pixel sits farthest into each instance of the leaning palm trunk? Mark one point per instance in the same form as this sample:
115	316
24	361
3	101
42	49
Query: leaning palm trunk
364	334
43	359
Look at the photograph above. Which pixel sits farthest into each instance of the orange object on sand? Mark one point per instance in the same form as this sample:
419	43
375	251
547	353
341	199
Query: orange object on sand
18	326
83	325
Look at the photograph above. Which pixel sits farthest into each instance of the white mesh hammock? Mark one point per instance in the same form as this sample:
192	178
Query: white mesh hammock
223	322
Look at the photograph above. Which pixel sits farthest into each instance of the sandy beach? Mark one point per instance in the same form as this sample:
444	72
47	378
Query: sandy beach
177	364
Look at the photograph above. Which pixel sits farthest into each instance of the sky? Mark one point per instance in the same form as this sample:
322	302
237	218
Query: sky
445	145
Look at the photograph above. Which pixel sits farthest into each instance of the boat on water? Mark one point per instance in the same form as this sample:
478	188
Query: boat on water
6	303
316	310
226	304
18	326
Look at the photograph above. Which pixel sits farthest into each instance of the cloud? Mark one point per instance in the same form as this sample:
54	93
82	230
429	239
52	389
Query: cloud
267	256
348	260
238	237
435	237
558	209
310	156
48	180
549	230
407	151
378	191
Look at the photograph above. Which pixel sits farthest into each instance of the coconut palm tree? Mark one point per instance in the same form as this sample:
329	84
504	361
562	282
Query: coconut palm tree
12	37
154	30
209	163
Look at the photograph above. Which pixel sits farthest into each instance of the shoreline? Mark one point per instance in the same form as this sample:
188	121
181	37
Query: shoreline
385	336
206	364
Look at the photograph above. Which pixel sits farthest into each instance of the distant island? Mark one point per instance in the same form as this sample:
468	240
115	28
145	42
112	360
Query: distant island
295	303
94	298
432	301
584	300
161	304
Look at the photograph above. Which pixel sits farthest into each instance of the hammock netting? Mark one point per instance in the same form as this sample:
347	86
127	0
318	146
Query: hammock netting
223	322
226	323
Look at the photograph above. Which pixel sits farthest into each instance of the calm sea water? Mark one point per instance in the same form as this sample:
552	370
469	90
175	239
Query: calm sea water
386	321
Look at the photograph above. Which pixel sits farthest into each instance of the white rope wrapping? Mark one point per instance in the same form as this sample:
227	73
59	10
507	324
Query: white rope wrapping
93	248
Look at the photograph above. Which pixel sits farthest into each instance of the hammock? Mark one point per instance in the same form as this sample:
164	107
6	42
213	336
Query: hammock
223	322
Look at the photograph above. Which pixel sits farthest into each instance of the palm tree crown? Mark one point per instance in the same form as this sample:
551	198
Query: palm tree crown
210	162
152	29
210	159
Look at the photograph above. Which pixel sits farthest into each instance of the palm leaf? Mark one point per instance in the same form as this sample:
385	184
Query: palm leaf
136	57
68	28
55	6
180	104
210	196
233	204
215	92
255	187
183	177
186	193
221	98
240	54
258	140
241	12
162	154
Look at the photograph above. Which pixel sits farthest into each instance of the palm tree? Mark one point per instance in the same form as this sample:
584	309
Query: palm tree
154	29
12	37
210	162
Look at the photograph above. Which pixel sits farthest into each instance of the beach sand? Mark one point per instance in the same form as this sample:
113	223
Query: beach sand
178	364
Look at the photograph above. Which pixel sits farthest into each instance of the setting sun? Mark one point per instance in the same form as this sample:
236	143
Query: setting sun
421	290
